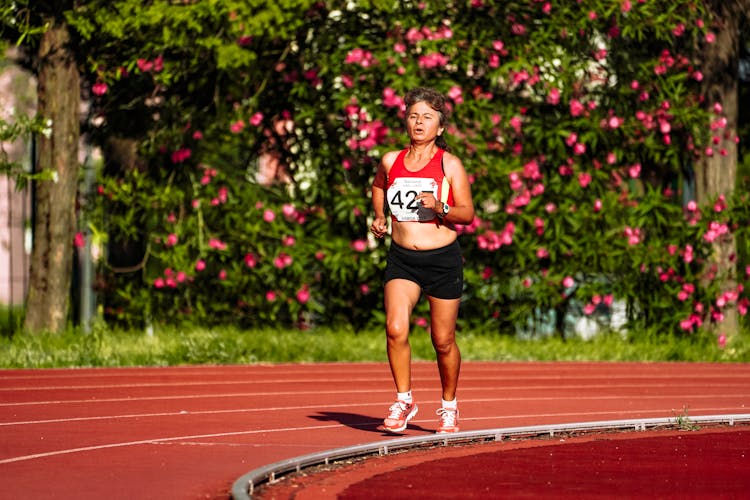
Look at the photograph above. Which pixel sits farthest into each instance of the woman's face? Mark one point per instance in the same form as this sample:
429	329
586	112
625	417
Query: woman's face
423	122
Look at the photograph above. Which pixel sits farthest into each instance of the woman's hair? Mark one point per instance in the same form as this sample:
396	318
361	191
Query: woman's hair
436	101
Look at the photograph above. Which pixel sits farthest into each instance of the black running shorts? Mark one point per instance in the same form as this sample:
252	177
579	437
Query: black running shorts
439	272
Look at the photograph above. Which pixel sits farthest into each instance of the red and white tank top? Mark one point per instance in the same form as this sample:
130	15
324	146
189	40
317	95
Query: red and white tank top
404	185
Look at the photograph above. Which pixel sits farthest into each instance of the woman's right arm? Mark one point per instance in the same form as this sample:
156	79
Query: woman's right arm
379	226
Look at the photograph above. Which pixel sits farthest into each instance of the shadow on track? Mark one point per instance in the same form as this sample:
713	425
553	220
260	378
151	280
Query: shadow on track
362	422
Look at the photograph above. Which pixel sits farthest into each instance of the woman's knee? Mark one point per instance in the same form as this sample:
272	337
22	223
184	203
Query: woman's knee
444	346
397	330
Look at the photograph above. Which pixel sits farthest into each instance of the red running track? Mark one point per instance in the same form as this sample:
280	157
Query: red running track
189	432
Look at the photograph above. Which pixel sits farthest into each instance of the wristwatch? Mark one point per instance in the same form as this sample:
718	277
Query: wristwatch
446	209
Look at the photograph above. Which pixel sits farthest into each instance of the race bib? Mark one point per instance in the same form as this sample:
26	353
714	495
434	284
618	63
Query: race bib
402	198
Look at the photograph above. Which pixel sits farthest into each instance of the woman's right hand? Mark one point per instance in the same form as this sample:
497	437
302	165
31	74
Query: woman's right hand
379	227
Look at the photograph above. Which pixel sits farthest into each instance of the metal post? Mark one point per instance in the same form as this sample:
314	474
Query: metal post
86	264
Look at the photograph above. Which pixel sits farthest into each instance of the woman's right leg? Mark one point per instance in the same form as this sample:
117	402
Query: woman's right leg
400	298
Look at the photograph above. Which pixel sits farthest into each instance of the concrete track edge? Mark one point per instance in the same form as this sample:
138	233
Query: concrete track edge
243	487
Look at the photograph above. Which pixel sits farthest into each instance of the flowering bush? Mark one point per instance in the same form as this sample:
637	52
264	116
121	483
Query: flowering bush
579	123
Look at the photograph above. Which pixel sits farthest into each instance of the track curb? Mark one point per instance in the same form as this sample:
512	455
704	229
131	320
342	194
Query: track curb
243	487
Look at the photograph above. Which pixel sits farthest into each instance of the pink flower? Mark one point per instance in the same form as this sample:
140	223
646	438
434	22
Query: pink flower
159	283
251	260
542	253
288	241
626	6
456	94
554	96
99	88
539	225
710	37
181	155
269	215
568	282
256	119
78	240
633	235
721	204
515	181
359	245
515	122
144	65
236	127
722	341
288	211
531	170
715	229
579	148
421	322
283	260
217	244
222	275
432	60
303	295
171	240
270	296
597	205
576	107
589	309
362	57
584	179
200	265
635	171
391	99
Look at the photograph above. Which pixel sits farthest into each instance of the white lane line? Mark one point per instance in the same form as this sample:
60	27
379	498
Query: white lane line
92	400
286	429
702	411
193	396
184	413
157	441
668	380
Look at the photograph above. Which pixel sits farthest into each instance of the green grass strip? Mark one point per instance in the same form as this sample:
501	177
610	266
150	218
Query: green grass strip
224	346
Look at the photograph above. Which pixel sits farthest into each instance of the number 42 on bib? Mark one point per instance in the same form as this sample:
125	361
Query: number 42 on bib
402	200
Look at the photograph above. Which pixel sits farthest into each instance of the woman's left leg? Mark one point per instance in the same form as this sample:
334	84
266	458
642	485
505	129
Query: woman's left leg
443	315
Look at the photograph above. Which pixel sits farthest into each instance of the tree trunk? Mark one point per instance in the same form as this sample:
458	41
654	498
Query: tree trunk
717	174
52	255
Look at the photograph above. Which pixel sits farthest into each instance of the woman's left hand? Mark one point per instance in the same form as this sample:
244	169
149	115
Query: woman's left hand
427	199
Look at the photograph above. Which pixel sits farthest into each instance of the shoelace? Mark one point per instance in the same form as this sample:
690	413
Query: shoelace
447	416
397	409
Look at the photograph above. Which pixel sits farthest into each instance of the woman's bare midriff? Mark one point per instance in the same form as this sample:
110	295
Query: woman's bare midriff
422	235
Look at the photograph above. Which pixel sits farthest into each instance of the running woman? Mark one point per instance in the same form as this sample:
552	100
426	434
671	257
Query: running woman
427	192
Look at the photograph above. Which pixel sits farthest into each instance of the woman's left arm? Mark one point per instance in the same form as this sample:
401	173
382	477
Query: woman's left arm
462	212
